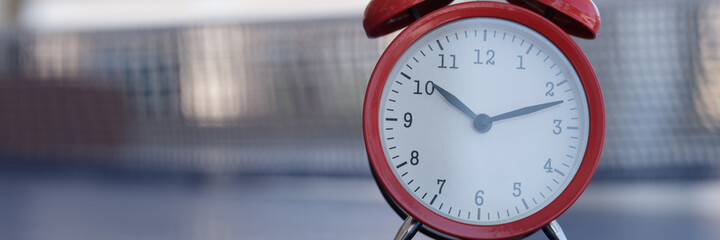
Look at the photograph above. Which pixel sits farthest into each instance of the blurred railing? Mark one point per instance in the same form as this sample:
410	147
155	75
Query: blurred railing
286	98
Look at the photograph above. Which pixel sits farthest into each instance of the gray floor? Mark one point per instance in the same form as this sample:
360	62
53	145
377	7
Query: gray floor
76	205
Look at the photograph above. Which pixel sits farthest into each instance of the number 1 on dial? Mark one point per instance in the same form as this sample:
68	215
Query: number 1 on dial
521	63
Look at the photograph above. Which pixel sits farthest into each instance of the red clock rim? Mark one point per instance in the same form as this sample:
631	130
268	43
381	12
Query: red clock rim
525	17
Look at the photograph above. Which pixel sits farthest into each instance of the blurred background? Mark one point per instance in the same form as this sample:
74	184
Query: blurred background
237	119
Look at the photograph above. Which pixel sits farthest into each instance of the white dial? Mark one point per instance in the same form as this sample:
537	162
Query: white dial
484	121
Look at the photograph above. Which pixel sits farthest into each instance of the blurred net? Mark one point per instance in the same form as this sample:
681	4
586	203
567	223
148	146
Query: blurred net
286	98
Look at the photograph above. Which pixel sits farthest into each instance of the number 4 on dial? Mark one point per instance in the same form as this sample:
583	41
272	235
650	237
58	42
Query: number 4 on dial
548	166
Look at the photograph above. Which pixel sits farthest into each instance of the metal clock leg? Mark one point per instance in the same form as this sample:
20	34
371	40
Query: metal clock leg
408	229
553	231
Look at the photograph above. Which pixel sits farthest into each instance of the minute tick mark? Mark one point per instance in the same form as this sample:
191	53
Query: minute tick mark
529	49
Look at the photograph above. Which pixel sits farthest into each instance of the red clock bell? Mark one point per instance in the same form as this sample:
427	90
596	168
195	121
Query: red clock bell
483	120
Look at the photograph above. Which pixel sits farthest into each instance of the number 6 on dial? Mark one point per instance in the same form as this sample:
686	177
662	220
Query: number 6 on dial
479	200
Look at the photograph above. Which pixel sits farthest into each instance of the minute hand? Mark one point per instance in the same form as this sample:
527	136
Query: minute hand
524	111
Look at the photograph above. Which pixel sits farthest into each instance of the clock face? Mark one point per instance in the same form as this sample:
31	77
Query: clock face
483	121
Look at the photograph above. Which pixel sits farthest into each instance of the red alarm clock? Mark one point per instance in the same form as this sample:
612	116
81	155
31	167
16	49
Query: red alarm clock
483	120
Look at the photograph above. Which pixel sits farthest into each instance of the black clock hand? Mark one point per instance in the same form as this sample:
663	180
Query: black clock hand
524	111
455	101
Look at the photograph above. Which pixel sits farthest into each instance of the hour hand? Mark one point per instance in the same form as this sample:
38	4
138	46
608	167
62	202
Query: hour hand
455	101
